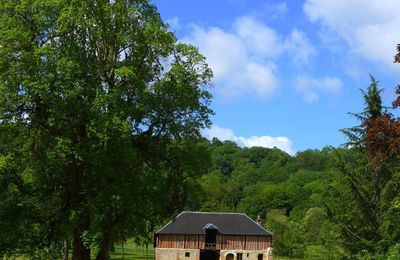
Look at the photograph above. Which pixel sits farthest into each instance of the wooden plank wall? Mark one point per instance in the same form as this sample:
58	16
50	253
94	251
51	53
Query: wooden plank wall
192	241
202	241
223	242
231	242
180	241
243	242
257	242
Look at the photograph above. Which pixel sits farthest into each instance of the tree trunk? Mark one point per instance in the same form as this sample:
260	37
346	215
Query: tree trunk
79	250
105	247
123	250
65	249
147	251
102	255
74	189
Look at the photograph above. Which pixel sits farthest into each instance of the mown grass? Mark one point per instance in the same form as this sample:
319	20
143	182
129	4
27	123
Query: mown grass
131	251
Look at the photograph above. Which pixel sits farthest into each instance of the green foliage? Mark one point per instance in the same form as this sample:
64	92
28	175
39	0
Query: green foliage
394	252
311	160
224	157
368	220
270	197
373	109
287	192
100	112
277	221
320	204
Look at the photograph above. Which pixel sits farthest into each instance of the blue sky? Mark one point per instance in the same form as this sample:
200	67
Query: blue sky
287	72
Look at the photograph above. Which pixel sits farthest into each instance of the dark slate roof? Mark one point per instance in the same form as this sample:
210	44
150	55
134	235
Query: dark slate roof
194	223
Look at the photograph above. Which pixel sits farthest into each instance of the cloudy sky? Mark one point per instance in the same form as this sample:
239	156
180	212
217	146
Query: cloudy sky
287	72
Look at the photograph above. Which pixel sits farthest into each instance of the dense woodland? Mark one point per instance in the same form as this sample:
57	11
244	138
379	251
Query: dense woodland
305	200
331	203
101	110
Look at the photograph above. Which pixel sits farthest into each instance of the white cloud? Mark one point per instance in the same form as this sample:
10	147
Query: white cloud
370	28
258	38
243	58
310	87
268	10
235	71
223	134
174	23
225	52
277	10
299	47
282	143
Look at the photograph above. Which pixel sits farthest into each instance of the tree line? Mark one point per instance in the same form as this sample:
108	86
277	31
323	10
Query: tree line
334	203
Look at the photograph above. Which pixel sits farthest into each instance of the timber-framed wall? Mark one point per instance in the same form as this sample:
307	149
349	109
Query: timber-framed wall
224	242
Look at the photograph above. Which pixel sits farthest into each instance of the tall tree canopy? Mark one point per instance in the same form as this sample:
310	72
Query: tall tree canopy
100	108
369	176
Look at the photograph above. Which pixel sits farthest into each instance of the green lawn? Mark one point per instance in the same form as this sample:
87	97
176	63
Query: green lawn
132	251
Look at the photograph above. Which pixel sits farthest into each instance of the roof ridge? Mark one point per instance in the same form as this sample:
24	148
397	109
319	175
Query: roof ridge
169	222
194	222
258	224
207	212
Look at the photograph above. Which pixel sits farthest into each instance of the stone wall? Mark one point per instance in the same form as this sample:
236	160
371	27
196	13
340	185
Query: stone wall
194	254
177	254
247	254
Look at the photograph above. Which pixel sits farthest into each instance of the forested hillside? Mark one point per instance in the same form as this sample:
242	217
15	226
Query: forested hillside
287	192
335	202
305	200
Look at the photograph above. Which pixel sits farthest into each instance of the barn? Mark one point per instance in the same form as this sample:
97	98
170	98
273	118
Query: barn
212	236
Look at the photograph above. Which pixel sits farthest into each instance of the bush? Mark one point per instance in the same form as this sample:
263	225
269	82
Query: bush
394	252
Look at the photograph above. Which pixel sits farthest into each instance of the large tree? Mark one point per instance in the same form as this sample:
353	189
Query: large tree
100	110
367	180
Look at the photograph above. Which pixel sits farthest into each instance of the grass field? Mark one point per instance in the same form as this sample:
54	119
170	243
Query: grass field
132	251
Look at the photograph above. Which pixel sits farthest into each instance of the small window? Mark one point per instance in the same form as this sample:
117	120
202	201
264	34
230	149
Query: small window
239	256
247	255
187	254
260	256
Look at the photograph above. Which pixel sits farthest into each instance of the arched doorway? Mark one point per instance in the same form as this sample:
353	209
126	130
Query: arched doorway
260	256
209	255
230	256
